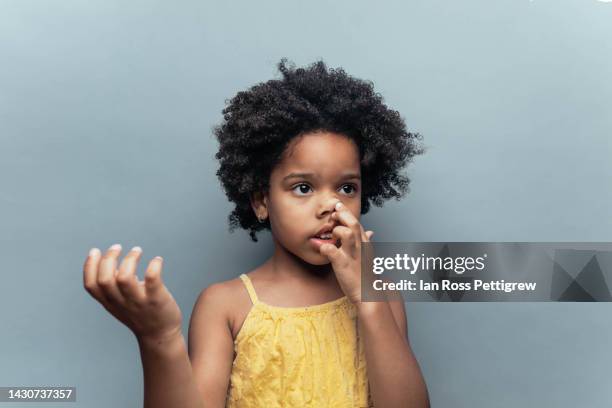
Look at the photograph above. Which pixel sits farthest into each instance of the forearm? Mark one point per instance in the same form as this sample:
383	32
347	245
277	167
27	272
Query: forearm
168	378
393	372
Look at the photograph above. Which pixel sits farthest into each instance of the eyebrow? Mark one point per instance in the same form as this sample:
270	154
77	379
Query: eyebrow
347	176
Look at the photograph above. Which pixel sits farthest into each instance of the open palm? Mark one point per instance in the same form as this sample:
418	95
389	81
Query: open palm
146	307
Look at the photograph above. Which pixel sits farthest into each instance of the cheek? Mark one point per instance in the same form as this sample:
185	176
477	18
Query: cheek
289	221
355	208
358	204
294	210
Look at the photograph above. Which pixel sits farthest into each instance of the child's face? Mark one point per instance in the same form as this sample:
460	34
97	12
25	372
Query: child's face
316	171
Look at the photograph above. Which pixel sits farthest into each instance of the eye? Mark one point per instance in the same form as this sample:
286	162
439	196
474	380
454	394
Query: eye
352	188
301	188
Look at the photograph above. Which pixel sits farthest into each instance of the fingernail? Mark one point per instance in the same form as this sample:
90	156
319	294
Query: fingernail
93	251
115	246
137	249
338	205
159	257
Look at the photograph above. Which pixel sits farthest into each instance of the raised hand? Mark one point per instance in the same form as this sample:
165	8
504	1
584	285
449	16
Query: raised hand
346	259
146	307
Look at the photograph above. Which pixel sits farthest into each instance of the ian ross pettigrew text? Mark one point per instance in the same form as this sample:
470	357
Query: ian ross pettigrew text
446	284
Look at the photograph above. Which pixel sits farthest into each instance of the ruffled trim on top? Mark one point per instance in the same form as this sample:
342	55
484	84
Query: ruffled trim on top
275	312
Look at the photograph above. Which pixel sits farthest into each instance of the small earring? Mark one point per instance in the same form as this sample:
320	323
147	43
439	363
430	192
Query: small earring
261	220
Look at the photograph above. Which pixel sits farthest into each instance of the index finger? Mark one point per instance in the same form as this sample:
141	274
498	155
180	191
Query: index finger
344	215
90	277
90	269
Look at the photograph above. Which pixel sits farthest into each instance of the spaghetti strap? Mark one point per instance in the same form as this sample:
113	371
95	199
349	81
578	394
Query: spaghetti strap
249	287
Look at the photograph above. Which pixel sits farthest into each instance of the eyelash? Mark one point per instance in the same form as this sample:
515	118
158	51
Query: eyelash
353	186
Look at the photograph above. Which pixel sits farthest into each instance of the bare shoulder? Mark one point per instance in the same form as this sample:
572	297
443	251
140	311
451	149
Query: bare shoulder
217	298
225	299
219	294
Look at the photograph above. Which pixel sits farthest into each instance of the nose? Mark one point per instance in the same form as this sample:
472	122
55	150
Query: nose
328	205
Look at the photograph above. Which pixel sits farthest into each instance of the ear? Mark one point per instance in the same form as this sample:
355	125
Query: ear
259	203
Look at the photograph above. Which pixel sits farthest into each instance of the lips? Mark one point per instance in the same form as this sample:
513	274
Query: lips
325	232
324	236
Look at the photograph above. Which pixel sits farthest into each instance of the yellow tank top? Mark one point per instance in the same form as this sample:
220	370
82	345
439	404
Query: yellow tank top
299	357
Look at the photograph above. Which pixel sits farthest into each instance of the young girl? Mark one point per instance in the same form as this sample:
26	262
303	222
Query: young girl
302	156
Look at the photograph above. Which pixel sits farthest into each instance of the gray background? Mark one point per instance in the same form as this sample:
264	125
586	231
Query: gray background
106	110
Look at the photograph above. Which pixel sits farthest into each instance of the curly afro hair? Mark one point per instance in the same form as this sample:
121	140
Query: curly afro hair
260	122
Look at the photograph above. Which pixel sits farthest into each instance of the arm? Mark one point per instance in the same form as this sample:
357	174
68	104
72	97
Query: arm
168	375
179	376
148	309
211	346
393	372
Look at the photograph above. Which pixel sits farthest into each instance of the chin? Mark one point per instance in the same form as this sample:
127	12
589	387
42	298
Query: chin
317	260
308	255
312	258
